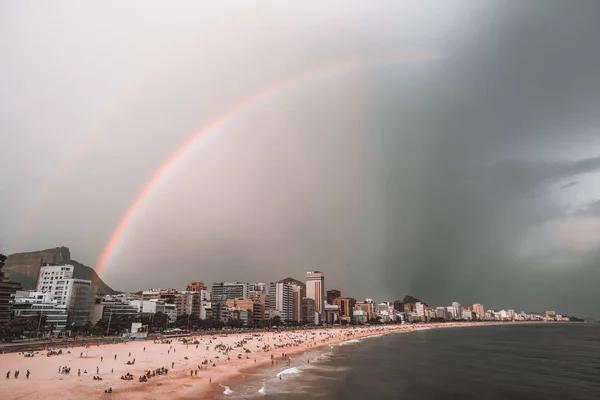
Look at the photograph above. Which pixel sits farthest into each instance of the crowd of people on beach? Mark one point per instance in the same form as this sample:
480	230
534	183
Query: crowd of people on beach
213	350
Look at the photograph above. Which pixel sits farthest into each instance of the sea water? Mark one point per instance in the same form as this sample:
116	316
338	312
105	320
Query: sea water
510	361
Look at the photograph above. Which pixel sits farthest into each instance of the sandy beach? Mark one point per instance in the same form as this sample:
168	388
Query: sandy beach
193	369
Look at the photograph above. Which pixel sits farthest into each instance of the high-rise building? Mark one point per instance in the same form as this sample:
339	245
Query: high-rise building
420	309
222	291
187	302
346	307
479	311
76	294
368	307
50	273
332	295
280	298
441	312
457	310
315	289
308	310
298	292
195	286
399	306
297	295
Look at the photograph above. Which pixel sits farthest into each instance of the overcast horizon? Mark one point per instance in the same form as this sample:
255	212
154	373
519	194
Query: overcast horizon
448	151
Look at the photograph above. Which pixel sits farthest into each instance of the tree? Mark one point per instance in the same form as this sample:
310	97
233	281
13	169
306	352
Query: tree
235	323
160	321
87	328
276	320
118	324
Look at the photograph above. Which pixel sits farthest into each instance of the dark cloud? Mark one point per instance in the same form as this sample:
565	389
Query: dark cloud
570	184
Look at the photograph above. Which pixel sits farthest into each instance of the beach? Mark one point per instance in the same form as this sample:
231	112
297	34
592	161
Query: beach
191	369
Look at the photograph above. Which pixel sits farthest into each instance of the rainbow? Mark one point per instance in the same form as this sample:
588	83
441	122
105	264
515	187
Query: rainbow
118	232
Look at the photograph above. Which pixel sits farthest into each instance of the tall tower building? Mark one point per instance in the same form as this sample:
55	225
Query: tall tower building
281	298
315	289
457	310
479	310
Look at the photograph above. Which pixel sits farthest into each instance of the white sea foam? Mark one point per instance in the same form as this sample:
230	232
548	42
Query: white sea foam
351	341
227	389
289	371
262	389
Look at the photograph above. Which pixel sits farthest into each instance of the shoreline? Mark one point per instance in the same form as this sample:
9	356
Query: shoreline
257	351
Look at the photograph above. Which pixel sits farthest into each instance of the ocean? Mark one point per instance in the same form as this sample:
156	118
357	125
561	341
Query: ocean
512	361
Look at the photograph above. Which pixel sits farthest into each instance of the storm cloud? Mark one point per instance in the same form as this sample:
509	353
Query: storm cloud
468	176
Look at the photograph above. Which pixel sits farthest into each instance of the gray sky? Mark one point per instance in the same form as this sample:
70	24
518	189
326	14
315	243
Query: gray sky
467	174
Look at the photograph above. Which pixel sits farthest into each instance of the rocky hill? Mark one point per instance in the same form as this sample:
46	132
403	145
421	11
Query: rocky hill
25	267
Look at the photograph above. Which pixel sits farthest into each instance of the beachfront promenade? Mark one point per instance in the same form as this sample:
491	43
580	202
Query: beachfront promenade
187	369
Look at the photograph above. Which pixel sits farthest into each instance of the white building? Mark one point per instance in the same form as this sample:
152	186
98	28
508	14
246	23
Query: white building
420	309
205	309
315	289
466	314
28	304
50	273
147	307
451	312
76	294
457	310
281	298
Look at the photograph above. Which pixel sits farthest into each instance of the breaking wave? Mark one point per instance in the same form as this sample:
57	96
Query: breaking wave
351	341
262	389
288	371
227	389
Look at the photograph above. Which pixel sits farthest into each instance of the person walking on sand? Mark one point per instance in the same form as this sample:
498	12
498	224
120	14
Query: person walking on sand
8	375
27	374
172	365
191	372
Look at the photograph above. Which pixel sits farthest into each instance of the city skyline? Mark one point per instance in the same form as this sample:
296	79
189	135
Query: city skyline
325	292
